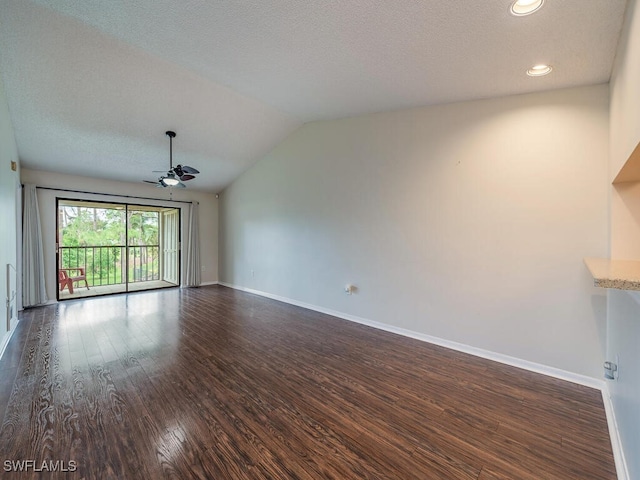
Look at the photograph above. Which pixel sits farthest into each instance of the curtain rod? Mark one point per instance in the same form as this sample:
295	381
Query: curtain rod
111	194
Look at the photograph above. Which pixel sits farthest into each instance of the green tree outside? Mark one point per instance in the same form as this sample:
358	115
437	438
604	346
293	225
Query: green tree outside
100	233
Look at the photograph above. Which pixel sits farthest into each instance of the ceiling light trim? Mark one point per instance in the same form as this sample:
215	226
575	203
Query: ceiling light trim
521	8
540	70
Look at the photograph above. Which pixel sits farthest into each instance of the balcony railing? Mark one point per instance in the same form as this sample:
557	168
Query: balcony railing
108	265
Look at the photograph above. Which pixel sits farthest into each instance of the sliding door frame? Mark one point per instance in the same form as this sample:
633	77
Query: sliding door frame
126	246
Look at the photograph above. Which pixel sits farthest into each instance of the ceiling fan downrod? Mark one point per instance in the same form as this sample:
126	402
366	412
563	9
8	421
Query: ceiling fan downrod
171	136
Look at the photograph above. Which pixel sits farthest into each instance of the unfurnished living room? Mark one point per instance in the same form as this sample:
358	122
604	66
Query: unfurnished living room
285	239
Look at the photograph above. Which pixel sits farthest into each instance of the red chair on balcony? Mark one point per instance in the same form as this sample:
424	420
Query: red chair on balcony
66	279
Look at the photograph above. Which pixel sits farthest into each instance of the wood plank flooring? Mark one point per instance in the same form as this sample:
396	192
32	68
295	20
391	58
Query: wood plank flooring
213	383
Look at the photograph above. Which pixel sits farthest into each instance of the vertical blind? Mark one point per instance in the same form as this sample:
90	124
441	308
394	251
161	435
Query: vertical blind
193	248
33	285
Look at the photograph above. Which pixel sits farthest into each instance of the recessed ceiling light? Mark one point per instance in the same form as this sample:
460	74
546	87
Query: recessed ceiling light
539	70
520	8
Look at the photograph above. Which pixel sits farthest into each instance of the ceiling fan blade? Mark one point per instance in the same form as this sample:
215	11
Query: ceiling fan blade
184	178
188	169
149	181
180	185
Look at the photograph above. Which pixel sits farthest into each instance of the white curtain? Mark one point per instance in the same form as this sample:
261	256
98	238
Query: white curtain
33	286
193	248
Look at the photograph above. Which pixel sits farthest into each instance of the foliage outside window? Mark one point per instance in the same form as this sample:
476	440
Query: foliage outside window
96	238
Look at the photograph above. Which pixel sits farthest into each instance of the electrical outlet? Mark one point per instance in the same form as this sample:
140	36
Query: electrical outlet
202	267
253	273
611	369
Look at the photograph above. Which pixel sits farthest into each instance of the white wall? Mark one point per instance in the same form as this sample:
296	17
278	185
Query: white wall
624	307
467	222
47	204
9	183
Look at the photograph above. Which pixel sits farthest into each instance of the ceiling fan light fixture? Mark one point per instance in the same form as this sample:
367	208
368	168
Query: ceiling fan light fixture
539	70
175	175
520	8
171	181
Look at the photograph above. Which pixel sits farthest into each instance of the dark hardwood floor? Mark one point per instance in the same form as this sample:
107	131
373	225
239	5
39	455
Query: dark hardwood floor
217	384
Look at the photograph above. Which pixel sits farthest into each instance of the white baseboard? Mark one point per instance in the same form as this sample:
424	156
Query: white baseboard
5	339
478	352
204	284
616	444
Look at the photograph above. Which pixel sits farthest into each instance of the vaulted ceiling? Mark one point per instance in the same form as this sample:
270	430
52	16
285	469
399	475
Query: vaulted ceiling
92	85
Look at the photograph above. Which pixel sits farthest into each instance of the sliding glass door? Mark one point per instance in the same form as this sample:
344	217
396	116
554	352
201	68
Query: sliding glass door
106	248
170	221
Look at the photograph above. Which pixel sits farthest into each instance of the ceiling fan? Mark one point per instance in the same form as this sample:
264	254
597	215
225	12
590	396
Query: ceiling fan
175	175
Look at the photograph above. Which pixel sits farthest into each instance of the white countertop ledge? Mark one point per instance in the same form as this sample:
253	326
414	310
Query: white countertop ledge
620	274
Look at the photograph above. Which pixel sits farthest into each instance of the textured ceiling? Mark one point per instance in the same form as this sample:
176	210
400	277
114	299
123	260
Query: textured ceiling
92	85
